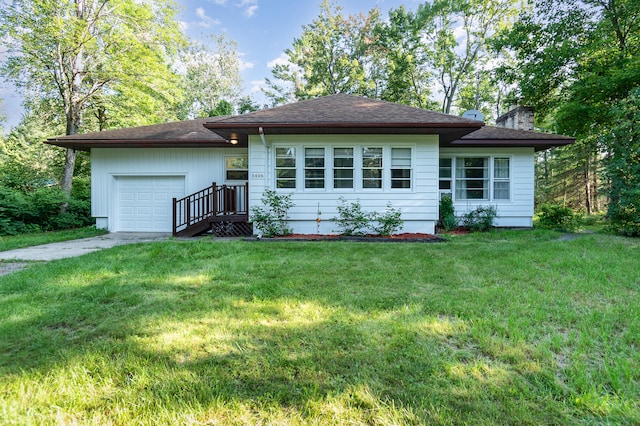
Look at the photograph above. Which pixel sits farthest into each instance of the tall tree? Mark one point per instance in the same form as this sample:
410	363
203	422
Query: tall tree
211	75
404	56
576	61
460	37
73	52
330	57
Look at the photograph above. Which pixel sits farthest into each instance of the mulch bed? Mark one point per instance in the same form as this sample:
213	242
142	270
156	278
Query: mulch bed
397	238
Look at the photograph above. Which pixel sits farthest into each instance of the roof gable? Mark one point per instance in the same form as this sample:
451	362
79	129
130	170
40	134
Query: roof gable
347	114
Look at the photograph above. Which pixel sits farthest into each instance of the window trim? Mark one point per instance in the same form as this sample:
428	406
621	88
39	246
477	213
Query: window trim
295	168
491	180
323	168
330	169
226	169
409	168
334	168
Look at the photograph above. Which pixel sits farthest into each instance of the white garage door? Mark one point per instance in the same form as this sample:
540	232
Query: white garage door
144	203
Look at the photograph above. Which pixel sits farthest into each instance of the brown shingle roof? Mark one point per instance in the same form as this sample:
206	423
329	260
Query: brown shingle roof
185	134
331	114
491	136
342	113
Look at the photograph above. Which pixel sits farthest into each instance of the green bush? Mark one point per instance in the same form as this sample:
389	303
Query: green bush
481	219
388	222
351	219
556	216
272	219
39	210
448	220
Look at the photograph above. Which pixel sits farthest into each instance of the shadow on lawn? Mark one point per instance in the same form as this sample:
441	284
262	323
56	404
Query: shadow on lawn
194	328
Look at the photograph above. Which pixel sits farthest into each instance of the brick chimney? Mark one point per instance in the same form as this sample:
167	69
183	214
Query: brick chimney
520	118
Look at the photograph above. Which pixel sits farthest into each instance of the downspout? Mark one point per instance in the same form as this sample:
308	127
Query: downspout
264	141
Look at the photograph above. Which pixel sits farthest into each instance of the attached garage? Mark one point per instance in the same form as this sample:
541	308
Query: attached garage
144	203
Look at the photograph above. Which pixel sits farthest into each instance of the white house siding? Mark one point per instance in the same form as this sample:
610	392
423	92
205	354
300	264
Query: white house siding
199	167
419	204
518	210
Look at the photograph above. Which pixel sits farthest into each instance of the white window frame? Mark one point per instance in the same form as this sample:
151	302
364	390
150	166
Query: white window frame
501	179
323	168
334	168
294	168
393	167
227	169
299	184
363	168
490	180
449	179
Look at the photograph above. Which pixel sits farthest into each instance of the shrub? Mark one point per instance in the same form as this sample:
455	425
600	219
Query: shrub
556	216
39	210
351	219
447	218
481	219
272	219
388	222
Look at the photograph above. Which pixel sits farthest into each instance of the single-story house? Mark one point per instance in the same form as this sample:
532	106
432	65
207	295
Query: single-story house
319	150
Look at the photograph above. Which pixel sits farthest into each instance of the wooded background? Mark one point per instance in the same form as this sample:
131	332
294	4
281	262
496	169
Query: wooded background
90	65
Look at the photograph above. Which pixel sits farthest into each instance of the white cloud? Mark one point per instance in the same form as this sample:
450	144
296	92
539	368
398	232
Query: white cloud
251	10
283	59
219	2
257	85
250	7
205	20
245	65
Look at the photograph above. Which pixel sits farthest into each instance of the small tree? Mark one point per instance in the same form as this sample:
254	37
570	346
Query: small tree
447	213
351	219
388	222
272	219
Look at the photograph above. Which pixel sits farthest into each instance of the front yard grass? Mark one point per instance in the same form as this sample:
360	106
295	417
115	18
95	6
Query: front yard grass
509	327
10	242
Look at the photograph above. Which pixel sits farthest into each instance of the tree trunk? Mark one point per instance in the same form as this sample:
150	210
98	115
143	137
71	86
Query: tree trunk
587	185
67	175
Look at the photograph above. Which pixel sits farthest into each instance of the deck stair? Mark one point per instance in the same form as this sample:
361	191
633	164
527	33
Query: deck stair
222	210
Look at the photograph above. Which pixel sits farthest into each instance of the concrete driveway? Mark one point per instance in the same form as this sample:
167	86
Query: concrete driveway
75	248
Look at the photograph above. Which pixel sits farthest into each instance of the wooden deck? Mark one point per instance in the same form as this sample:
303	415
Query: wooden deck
223	210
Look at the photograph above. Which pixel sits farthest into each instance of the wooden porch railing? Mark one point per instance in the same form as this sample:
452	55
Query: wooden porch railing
225	200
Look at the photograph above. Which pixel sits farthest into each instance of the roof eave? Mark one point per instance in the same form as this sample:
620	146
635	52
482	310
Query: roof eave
86	145
537	144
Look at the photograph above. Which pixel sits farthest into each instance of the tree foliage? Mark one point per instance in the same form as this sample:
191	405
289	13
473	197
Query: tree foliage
80	55
576	62
331	56
211	78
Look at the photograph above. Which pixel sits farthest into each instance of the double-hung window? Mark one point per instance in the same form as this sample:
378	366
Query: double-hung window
371	167
445	174
401	168
343	168
472	178
237	168
314	168
286	167
501	179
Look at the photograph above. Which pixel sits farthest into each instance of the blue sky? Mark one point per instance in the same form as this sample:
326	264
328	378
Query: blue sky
263	29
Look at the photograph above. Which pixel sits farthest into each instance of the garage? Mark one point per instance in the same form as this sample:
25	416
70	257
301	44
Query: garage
144	203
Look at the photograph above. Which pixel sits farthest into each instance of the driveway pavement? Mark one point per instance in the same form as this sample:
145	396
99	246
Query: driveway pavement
75	248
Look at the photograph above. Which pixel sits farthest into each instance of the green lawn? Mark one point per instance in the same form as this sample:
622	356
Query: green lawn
504	328
28	240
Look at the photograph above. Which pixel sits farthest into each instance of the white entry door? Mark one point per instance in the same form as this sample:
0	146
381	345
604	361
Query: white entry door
144	203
